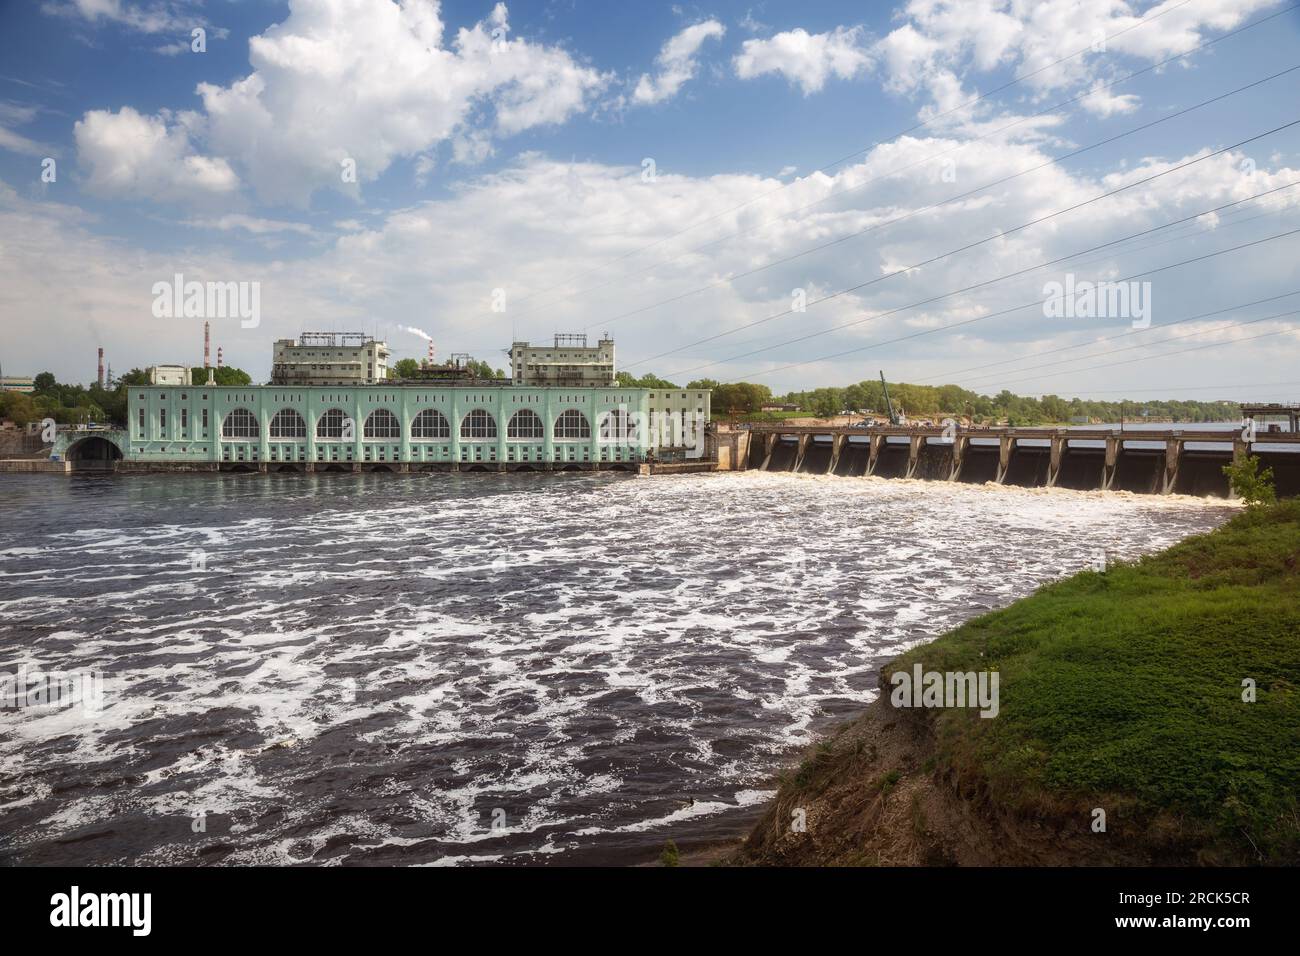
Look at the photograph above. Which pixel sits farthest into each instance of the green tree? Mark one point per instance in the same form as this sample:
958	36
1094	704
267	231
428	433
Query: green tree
1249	483
44	383
404	368
649	380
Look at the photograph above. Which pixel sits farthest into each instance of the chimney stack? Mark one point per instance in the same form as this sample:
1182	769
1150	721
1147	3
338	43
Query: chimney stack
101	368
218	356
207	343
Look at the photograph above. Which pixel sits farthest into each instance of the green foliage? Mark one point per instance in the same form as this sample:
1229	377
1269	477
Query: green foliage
1251	485
79	404
483	369
404	368
226	375
670	856
649	380
933	401
1125	690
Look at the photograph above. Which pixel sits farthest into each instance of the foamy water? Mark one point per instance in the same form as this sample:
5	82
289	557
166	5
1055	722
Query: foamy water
444	669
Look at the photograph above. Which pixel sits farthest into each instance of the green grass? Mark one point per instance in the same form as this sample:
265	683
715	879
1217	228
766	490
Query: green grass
1123	690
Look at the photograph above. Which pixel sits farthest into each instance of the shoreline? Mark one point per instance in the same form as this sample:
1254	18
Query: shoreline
902	786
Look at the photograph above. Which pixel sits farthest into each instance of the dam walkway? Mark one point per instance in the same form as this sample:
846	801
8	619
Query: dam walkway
1156	461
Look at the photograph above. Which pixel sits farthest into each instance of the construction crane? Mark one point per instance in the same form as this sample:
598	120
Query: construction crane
894	417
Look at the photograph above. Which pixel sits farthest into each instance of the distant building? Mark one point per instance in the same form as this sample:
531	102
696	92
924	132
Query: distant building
779	407
570	362
168	375
17	383
330	358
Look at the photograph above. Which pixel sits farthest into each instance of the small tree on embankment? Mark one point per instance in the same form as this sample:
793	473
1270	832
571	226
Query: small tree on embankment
1249	483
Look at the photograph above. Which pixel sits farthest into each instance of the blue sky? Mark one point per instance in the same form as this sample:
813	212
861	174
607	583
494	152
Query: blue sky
502	148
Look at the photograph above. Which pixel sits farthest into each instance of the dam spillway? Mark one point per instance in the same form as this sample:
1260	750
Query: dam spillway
1156	461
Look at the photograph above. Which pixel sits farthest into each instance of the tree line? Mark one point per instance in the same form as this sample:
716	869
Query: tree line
70	404
79	404
933	401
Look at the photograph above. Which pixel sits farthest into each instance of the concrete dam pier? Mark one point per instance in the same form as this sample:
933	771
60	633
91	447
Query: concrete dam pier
1163	461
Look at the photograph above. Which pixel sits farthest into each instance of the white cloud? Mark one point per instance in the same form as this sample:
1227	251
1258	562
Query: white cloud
254	225
806	59
132	156
368	81
954	37
16	114
676	63
541	222
155	17
1103	103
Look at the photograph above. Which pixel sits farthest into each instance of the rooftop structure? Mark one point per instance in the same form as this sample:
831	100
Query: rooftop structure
570	361
1267	410
168	375
17	383
329	358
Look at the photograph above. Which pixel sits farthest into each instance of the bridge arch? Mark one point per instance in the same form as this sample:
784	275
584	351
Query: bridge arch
94	448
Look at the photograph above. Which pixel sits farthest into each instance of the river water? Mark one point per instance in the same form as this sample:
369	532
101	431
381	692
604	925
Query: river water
444	669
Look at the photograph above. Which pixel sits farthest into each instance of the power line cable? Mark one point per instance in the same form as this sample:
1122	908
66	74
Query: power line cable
1005	86
857	186
1038	302
969	288
960	249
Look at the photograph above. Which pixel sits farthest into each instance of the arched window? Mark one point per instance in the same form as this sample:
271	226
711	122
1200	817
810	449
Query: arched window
288	424
430	423
241	423
383	424
618	426
525	424
336	423
478	424
572	424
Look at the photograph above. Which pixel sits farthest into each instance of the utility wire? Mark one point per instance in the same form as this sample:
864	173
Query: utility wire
1147	345
1150	358
857	186
977	285
972	245
961	106
1036	302
951	376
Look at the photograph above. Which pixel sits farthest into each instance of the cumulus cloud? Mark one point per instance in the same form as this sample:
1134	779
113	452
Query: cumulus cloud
940	40
676	63
1102	102
578	229
132	156
348	86
805	59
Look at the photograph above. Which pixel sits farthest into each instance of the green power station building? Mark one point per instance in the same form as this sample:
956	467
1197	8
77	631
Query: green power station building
331	405
391	426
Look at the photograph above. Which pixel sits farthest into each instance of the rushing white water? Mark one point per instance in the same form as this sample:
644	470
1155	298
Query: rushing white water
378	668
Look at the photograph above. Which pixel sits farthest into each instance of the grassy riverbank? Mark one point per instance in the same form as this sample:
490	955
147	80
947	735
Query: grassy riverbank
1120	691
